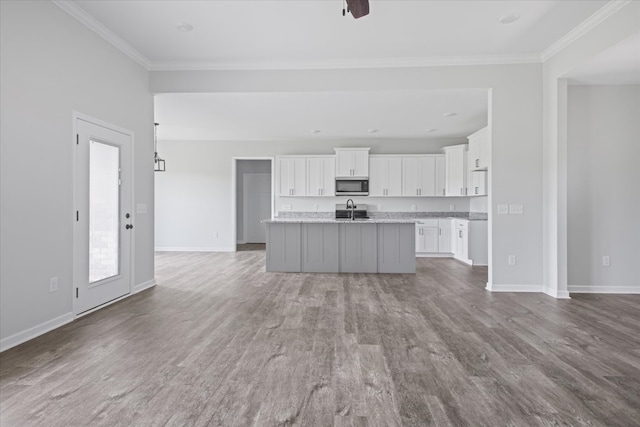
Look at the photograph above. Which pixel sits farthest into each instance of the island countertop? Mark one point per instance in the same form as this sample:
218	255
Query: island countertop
339	221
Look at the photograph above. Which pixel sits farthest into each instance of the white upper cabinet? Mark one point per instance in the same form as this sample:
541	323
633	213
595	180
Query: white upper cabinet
419	176
456	170
291	176
321	176
441	176
385	176
479	145
478	185
352	162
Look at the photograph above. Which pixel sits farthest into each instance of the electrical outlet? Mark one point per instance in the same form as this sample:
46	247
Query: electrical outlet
512	260
606	261
53	284
414	208
503	209
452	207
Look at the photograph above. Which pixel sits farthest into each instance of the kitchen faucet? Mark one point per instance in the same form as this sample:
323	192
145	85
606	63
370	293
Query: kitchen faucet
353	208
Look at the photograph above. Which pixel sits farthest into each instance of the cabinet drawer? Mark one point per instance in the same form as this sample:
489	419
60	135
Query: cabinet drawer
428	222
462	224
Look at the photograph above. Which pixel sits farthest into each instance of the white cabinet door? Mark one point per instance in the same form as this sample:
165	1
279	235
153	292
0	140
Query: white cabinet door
419	176
441	176
352	162
461	239
444	238
478	183
291	176
385	176
426	239
456	165
410	179
320	176
344	163
361	163
479	150
378	176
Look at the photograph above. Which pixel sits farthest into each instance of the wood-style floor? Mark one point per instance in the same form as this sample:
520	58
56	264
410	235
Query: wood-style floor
220	342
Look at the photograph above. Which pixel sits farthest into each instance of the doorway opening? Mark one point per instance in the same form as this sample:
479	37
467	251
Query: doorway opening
253	190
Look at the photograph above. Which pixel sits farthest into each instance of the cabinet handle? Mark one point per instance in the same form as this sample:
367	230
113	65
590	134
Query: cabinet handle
444	192
460	233
477	163
476	190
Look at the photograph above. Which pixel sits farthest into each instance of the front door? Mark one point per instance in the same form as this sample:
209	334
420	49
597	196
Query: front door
103	216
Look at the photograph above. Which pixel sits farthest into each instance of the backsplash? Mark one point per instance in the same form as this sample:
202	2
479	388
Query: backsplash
391	215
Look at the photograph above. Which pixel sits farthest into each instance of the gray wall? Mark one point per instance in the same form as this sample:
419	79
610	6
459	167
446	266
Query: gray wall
52	65
603	195
242	167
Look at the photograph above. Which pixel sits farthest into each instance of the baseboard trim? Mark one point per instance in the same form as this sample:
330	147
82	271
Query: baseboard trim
603	289
513	288
433	255
195	249
36	331
142	286
556	293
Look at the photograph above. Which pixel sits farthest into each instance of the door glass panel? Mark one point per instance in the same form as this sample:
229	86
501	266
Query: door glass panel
104	207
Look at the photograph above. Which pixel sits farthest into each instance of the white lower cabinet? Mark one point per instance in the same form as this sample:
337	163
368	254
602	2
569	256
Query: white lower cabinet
470	242
433	236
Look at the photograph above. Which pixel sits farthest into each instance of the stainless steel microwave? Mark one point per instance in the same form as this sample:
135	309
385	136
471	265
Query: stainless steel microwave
352	186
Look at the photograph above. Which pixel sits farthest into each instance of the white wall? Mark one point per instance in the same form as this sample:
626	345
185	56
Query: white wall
619	26
602	181
204	168
51	65
515	122
244	167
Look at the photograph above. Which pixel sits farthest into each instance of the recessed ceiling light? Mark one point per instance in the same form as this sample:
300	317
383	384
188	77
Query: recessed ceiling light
508	18
450	114
372	130
185	27
315	131
430	130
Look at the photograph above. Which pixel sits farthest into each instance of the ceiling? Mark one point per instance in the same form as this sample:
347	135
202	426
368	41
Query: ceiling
313	34
336	115
258	34
618	65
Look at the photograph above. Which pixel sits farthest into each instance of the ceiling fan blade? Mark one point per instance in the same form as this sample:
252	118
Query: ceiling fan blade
358	8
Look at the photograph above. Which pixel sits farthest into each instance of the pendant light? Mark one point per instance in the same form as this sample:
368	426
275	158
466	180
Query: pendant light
158	163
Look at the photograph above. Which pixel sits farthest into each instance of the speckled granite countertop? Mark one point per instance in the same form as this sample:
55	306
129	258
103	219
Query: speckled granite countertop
340	221
379	216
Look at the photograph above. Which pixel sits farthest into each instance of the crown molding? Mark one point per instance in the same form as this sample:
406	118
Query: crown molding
77	12
587	25
350	64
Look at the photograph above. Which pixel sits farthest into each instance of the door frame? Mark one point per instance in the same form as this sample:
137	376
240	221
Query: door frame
234	193
75	117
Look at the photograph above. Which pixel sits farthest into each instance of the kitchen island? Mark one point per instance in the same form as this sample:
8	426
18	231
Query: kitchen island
325	245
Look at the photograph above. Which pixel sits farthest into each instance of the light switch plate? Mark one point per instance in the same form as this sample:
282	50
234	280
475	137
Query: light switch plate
516	209
503	209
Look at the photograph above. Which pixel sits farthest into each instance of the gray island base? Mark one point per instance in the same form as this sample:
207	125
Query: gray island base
334	246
